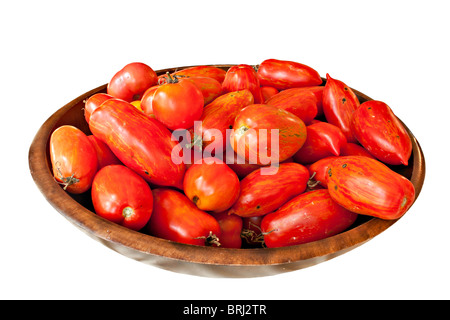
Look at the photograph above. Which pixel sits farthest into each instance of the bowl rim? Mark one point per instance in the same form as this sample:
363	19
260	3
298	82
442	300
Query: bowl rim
109	232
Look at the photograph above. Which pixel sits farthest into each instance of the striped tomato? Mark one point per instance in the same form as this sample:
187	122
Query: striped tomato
367	186
141	143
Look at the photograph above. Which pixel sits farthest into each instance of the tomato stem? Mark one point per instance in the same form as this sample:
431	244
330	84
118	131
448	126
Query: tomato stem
210	240
66	181
312	182
170	78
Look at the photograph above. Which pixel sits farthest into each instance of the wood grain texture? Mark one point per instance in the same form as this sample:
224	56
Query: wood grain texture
189	259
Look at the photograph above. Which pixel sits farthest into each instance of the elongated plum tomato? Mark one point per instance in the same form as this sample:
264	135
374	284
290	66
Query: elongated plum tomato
73	158
93	102
141	143
178	103
302	103
367	186
209	87
308	217
322	140
211	185
105	156
266	189
377	128
231	228
131	81
177	218
339	103
242	77
263	134
203	71
122	196
283	74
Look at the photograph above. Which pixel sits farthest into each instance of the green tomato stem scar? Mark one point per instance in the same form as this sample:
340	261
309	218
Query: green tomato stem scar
127	212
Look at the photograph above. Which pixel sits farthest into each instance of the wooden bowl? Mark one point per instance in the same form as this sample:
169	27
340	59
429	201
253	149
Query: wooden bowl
190	259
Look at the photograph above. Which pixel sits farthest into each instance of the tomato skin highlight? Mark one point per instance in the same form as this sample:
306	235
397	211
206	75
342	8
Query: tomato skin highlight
322	140
73	159
177	105
211	185
141	143
282	74
176	218
262	193
131	81
377	128
308	217
367	186
246	143
120	195
240	77
93	102
339	103
105	156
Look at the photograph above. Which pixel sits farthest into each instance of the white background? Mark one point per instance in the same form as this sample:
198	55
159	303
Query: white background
53	51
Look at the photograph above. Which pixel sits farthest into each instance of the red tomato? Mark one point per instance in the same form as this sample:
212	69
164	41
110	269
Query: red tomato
105	156
318	92
239	165
263	192
230	227
147	100
210	87
218	116
377	128
211	185
257	125
308	217
242	77
131	81
287	74
339	103
322	140
176	218
203	71
268	92
73	158
353	149
302	103
141	143
178	103
93	103
122	196
367	186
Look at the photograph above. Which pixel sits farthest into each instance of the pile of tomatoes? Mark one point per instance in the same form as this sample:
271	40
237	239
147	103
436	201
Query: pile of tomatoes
328	160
